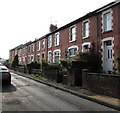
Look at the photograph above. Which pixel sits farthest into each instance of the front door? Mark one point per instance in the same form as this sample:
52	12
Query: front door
108	56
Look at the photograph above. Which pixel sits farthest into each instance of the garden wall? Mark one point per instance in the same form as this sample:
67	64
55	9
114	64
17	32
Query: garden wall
106	84
74	77
53	75
26	69
20	69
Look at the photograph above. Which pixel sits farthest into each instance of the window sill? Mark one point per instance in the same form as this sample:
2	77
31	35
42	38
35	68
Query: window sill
85	37
107	31
56	45
38	50
49	47
72	56
72	41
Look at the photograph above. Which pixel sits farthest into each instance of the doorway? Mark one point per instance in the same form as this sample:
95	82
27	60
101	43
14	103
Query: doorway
107	56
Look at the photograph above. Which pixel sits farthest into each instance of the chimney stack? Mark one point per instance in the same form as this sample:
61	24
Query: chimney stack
52	27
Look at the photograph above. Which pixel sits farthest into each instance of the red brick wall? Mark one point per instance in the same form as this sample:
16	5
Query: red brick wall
119	29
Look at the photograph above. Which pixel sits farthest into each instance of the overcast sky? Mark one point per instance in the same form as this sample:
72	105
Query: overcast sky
24	20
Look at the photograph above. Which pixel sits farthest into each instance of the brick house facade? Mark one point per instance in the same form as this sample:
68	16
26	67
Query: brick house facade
100	28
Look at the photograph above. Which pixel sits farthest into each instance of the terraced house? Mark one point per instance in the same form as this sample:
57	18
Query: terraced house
100	28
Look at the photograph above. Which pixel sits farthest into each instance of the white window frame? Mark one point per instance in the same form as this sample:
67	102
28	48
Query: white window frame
37	57
104	23
32	48
32	60
38	45
24	59
57	39
49	59
86	29
19	52
43	44
83	49
72	34
50	41
72	47
23	51
29	49
57	50
16	52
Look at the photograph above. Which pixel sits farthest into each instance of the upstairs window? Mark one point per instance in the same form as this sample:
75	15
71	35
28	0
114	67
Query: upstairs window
85	29
19	53
72	34
49	41
32	48
43	44
23	51
57	39
38	45
107	21
28	49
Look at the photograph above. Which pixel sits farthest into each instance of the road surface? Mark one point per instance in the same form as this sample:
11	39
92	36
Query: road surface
28	95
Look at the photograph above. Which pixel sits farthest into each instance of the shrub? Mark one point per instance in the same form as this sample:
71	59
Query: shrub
39	77
35	65
66	64
89	61
117	64
43	64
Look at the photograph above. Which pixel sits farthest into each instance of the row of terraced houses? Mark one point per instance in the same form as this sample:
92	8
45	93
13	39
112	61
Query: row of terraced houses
100	28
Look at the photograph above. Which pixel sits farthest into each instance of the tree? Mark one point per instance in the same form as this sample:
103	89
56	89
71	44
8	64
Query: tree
15	62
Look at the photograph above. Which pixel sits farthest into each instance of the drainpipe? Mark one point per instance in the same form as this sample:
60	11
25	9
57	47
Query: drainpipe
46	51
97	37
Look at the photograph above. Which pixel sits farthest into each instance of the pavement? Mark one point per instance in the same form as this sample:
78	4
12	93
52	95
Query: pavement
78	91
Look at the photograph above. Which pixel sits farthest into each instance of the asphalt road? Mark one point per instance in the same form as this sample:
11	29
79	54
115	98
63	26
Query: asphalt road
28	95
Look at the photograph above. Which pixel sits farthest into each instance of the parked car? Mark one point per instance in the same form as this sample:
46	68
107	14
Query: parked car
5	76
